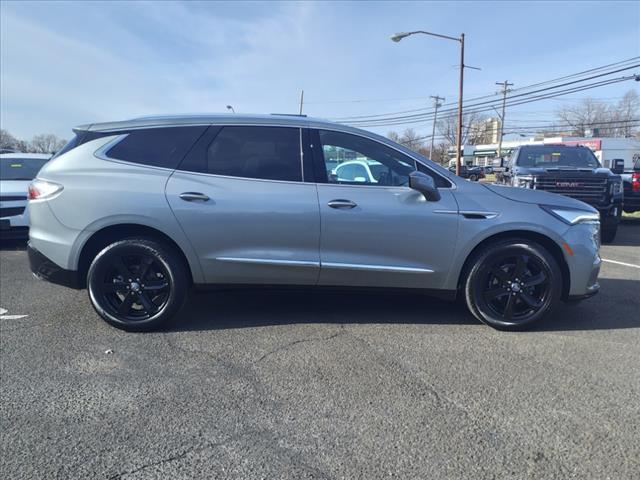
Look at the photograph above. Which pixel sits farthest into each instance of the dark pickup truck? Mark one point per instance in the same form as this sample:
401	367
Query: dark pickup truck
573	171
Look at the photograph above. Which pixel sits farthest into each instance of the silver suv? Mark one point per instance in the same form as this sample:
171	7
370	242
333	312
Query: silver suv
139	211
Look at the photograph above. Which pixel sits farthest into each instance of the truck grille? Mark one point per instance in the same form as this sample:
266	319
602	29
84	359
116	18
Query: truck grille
588	190
11	211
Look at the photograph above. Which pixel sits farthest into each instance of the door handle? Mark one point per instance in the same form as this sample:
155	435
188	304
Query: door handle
193	196
341	203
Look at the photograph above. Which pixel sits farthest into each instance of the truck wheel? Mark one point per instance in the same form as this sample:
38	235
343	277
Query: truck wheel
473	178
512	284
608	235
137	284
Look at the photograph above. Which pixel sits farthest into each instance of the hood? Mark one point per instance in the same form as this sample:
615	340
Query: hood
539	197
14	187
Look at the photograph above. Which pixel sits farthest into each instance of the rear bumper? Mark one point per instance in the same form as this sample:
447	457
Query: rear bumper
45	269
13	233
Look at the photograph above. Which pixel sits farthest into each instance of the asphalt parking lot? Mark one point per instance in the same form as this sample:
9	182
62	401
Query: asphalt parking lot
268	384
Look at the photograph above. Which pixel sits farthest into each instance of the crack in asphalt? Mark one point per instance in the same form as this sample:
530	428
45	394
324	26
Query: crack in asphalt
288	345
181	455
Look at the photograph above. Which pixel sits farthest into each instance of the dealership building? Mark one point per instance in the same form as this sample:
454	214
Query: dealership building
604	148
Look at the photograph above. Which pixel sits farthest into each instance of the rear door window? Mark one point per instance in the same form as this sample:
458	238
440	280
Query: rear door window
20	168
268	153
158	147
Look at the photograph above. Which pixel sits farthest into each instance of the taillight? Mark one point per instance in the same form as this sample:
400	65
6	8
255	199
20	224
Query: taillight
635	181
41	189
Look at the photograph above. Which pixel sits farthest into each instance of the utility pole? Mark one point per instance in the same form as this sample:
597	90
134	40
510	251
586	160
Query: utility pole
301	100
459	146
437	104
505	88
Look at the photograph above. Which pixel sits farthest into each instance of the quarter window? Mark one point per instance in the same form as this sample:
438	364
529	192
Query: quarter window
269	153
158	147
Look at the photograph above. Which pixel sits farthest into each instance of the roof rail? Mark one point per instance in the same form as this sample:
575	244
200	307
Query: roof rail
289	114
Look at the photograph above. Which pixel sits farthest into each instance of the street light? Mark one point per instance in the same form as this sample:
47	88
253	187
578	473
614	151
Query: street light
229	107
399	36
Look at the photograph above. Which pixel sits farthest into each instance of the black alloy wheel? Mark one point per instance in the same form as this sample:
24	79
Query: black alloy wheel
135	287
137	284
513	285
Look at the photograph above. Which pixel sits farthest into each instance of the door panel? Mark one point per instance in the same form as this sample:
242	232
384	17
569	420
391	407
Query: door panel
249	231
393	237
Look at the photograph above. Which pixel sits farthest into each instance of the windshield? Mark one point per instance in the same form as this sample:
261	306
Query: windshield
20	168
553	157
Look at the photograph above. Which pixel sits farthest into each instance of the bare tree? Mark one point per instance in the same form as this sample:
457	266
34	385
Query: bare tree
46	143
7	141
627	110
394	136
583	116
447	127
412	140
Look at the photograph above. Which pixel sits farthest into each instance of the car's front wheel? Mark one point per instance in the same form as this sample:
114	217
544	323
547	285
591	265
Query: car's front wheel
137	284
512	284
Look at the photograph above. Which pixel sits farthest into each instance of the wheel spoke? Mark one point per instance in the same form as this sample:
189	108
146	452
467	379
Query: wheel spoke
148	305
144	267
122	268
521	264
125	306
508	309
495	293
156	285
535	280
531	301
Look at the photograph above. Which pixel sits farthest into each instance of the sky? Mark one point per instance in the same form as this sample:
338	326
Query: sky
69	63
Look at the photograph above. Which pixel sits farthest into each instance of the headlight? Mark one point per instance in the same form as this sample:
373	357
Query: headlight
616	187
523	181
572	216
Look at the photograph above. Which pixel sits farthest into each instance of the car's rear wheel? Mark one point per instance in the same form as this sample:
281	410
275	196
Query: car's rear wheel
512	284
473	177
137	284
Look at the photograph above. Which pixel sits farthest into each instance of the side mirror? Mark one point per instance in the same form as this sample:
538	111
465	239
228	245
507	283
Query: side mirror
424	184
617	166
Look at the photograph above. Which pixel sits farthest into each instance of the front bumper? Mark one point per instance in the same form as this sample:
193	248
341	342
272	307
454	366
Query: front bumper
45	269
584	260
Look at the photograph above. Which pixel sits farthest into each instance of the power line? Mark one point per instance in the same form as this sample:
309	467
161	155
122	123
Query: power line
494	102
482	107
524	88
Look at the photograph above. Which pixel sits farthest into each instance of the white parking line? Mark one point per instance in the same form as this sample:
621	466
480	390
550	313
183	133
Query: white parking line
621	263
9	317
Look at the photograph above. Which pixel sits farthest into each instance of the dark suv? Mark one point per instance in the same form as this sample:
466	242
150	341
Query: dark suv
573	171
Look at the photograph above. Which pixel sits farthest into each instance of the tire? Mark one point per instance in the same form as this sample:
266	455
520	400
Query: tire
512	284
608	235
473	178
137	284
